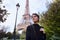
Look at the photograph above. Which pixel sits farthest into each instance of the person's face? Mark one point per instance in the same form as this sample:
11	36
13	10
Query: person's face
35	18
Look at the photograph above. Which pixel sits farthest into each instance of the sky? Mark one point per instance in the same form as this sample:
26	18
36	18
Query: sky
35	6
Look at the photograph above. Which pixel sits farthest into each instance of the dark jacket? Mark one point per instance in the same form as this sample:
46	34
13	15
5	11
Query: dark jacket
33	33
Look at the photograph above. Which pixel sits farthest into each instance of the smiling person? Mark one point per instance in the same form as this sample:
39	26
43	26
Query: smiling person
35	31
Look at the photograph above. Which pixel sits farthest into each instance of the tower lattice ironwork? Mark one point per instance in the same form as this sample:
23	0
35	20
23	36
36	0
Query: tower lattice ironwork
26	18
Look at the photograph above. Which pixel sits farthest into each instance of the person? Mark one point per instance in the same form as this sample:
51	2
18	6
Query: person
35	31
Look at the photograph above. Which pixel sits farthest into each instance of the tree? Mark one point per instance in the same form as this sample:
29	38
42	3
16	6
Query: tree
3	13
51	21
3	32
9	35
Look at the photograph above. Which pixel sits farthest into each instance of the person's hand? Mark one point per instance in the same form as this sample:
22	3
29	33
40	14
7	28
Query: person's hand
42	29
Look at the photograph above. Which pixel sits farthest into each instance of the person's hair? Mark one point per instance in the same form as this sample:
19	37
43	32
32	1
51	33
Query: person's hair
36	15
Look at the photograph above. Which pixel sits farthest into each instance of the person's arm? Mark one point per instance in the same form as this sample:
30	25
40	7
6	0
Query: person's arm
44	34
28	33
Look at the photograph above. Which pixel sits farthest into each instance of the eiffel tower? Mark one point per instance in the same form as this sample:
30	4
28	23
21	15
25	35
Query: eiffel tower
26	18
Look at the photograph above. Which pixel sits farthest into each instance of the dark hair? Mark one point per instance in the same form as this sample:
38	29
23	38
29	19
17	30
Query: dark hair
36	15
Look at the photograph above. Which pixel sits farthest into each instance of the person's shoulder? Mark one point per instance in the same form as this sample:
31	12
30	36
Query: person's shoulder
29	26
41	26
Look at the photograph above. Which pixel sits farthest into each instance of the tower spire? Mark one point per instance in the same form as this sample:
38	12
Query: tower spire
27	7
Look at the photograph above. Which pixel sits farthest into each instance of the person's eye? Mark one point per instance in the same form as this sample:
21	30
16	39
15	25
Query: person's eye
34	16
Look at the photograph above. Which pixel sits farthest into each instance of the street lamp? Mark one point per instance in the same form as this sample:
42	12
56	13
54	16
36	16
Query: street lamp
0	1
17	6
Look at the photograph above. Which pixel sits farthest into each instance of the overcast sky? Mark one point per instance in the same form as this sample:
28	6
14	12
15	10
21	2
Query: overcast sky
34	6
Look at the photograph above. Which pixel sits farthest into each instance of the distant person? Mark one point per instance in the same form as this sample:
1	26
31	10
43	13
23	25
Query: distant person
35	31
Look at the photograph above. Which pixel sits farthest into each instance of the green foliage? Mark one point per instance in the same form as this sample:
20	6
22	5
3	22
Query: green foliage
3	14
2	34
51	21
23	36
